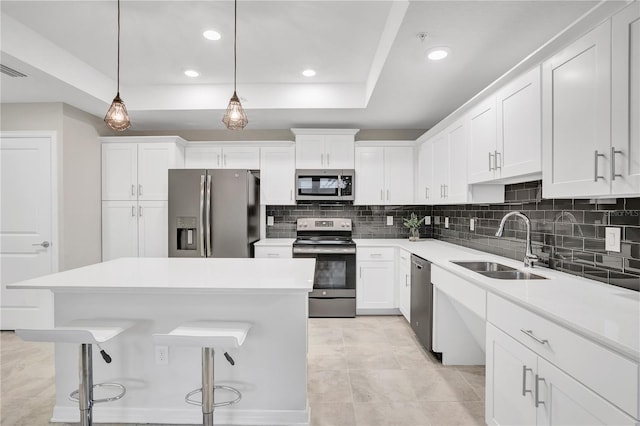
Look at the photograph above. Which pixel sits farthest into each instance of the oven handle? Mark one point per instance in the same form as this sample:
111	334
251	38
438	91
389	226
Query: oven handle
324	250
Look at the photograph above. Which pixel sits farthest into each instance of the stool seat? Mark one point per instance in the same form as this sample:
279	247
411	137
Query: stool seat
207	334
92	331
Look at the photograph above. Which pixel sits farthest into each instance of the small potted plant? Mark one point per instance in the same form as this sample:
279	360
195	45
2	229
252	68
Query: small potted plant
413	224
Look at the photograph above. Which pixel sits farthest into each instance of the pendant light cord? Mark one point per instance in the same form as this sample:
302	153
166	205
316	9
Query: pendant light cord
118	74
235	41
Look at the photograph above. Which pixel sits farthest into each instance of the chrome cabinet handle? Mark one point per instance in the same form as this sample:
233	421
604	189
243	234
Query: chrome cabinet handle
417	265
140	190
322	159
595	175
446	191
133	211
537	388
133	190
207	211
490	155
375	255
382	195
497	164
406	280
202	214
291	195
140	211
387	195
328	159
614	175
218	161
441	196
273	255
224	159
44	244
533	336
360	274
524	380
426	193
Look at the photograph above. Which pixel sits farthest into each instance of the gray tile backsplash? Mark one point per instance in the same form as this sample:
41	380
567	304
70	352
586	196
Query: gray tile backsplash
567	234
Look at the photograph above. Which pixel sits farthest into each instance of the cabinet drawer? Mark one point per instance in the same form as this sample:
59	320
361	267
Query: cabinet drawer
608	374
404	259
375	253
282	252
467	294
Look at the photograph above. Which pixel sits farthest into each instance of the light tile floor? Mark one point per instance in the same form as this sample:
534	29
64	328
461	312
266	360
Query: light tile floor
364	371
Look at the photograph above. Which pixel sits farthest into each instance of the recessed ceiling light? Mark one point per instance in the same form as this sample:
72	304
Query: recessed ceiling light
191	73
308	73
438	53
211	35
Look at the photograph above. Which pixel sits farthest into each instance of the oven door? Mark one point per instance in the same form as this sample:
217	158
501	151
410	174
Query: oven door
335	274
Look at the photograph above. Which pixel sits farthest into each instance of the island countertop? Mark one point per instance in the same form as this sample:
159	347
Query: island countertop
218	274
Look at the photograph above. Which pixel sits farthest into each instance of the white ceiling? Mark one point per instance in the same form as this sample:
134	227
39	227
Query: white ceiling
371	71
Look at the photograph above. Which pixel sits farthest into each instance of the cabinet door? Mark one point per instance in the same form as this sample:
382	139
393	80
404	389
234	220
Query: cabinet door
339	152
576	108
457	189
369	175
203	157
154	162
398	175
119	171
625	101
519	146
482	141
153	225
510	375
375	285
440	167
277	175
119	229
424	191
241	157
404	283
310	152
273	252
565	401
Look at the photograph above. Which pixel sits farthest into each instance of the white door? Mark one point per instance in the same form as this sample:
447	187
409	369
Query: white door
339	152
398	175
154	162
310	152
119	171
369	175
277	175
457	188
440	167
424	191
120	229
26	229
203	157
482	141
153	219
376	288
241	157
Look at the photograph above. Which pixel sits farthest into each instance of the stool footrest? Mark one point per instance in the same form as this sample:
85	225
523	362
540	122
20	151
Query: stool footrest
188	399
73	396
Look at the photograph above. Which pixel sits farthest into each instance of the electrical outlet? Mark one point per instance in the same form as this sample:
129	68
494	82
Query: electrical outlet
269	220
446	222
427	220
162	355
436	220
612	239
472	224
389	220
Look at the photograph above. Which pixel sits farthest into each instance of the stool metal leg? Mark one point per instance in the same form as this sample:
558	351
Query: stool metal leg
85	389
207	386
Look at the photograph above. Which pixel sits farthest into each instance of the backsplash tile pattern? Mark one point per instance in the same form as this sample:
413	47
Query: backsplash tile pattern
368	221
567	234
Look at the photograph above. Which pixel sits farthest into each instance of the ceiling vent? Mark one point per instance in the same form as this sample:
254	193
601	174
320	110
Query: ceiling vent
10	71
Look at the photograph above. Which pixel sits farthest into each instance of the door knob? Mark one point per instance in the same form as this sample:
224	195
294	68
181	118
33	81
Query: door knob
44	244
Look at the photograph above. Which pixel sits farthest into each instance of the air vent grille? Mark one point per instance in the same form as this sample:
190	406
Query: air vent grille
10	71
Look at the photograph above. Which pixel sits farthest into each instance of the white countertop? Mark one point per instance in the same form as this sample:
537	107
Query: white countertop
245	275
601	312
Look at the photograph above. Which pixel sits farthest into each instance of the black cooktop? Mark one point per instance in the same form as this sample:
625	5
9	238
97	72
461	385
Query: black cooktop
324	239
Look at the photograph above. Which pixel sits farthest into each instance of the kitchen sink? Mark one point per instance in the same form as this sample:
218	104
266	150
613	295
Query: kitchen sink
498	271
481	267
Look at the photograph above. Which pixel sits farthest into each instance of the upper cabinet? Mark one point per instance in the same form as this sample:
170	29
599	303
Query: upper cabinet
325	148
277	175
384	175
216	156
591	91
136	168
424	185
505	132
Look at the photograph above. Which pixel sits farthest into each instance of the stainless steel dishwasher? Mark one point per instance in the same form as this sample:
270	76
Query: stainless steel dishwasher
421	300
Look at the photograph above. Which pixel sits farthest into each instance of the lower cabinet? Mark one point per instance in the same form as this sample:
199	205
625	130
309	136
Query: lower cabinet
523	388
134	229
274	252
403	281
375	285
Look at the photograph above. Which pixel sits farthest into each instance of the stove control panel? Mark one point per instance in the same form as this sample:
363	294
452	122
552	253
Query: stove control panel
323	224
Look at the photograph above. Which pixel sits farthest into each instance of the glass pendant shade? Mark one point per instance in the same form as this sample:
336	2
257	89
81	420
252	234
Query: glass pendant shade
234	118
117	116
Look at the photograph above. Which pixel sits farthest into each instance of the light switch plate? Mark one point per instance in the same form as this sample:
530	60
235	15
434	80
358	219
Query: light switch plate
612	239
446	222
269	220
472	224
389	220
427	220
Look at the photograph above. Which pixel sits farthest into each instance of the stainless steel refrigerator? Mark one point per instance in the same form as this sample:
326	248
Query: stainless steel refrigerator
213	213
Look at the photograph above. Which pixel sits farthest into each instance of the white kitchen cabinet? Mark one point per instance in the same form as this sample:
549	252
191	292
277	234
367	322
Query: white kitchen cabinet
440	162
325	148
482	152
625	101
277	175
375	285
450	165
215	156
136	168
424	187
525	389
132	229
403	281
274	252
384	175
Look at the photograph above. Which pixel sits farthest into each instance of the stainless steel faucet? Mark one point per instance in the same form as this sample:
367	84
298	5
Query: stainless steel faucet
529	257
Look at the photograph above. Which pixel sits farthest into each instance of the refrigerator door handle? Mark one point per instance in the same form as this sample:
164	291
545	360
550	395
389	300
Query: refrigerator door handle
207	208
202	254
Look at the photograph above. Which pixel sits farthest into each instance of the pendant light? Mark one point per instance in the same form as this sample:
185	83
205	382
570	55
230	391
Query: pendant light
235	118
117	117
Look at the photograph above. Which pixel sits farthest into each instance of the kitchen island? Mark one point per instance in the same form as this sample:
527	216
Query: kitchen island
159	294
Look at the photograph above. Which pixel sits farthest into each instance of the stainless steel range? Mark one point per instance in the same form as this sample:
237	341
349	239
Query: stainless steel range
328	240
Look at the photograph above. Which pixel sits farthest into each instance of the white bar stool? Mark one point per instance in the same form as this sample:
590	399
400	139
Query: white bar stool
85	333
210	336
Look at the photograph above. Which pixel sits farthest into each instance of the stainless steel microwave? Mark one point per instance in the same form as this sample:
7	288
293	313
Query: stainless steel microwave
324	185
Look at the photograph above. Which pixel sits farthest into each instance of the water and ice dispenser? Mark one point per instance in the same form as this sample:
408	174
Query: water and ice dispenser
187	230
